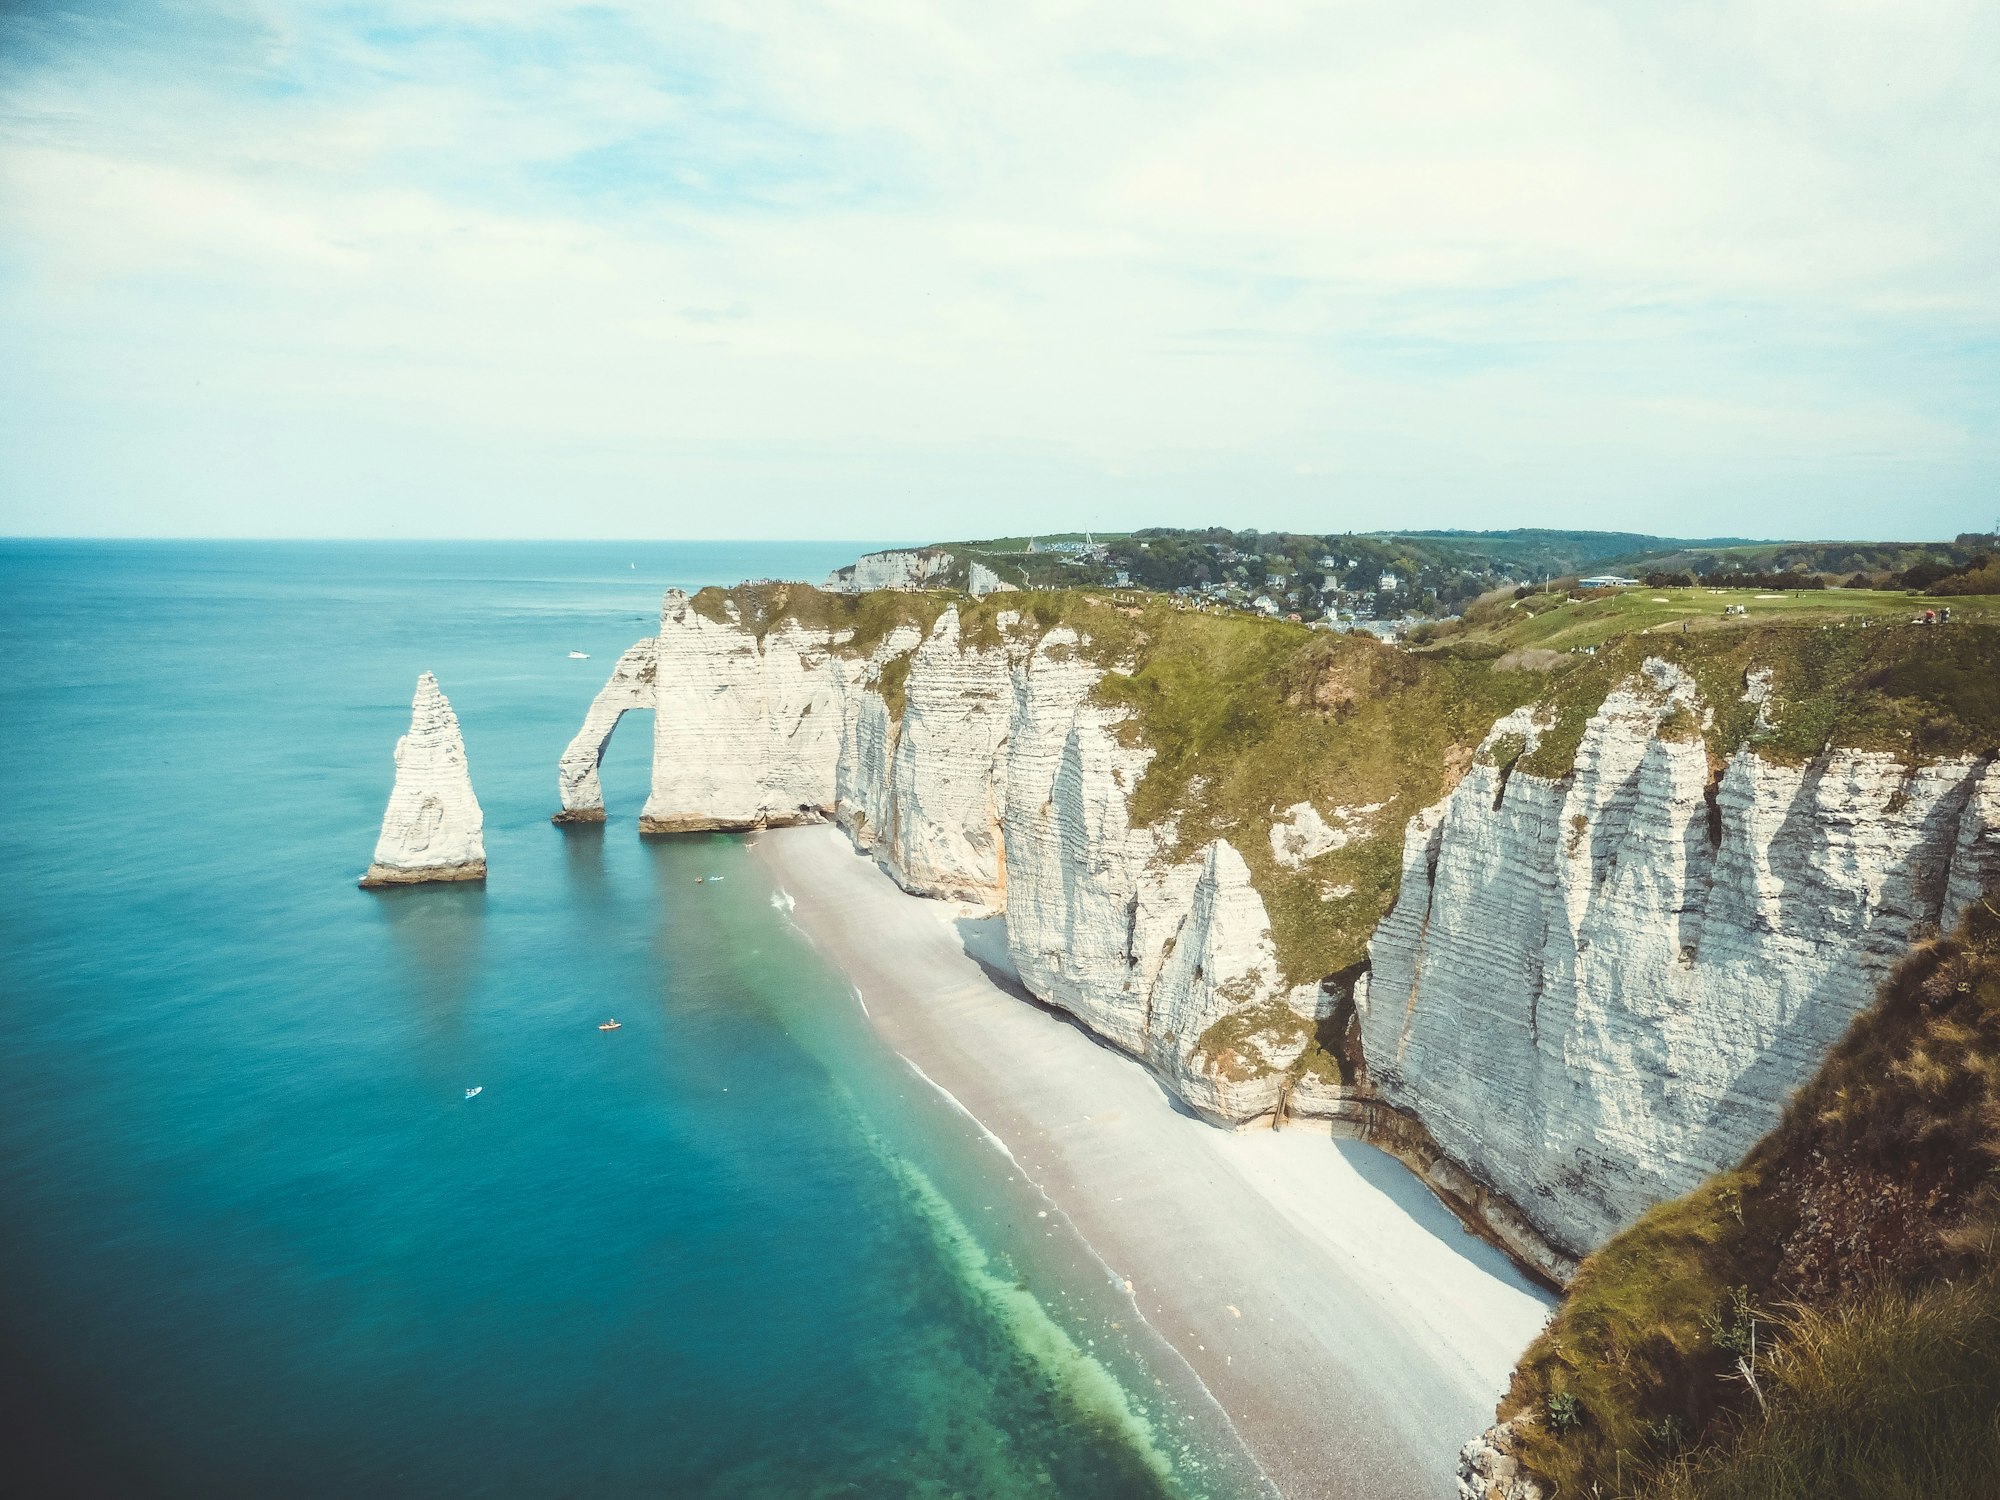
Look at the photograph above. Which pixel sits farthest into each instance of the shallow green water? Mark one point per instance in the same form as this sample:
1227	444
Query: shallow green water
256	1241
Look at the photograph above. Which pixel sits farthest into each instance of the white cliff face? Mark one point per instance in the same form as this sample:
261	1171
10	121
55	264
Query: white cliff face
982	580
1147	952
1597	992
914	568
863	803
944	833
1223	965
1084	887
1976	858
630	687
746	732
432	829
1002	784
1590	994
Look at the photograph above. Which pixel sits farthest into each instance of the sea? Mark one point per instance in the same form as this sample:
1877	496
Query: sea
256	1239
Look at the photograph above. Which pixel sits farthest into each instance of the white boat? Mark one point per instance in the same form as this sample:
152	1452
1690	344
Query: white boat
476	1089
579	656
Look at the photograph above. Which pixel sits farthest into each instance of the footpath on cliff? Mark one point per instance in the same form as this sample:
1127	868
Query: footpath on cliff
1350	1328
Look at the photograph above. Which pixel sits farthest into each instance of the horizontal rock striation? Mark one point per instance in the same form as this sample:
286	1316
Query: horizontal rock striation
983	773
907	568
1596	992
747	728
1148	951
433	828
1591	992
942	793
630	687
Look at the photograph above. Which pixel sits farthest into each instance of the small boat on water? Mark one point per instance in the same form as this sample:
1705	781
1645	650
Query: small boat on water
699	879
476	1089
579	656
608	1025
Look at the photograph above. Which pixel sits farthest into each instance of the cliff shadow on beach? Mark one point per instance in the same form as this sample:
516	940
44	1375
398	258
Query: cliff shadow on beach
984	941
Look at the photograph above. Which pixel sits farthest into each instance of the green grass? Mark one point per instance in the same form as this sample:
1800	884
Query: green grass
1860	1242
1893	1395
1554	622
1247	716
1235	1045
1914	690
1837	1236
860	623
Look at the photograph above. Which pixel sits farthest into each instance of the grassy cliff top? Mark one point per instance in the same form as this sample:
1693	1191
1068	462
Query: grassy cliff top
1916	692
1248	716
1556	621
860	622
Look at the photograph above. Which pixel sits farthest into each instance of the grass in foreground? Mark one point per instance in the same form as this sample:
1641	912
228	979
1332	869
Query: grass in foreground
1895	1395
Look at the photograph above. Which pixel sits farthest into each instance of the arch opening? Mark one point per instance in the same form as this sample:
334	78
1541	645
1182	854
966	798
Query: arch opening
579	783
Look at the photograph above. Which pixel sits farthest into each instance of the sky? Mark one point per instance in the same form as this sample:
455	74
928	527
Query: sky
461	268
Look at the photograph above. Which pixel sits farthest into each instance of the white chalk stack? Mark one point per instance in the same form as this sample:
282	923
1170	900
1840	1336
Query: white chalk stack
433	829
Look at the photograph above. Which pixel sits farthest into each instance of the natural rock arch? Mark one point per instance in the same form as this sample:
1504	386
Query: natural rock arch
632	685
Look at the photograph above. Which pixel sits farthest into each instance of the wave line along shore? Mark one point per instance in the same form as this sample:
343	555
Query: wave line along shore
1350	1328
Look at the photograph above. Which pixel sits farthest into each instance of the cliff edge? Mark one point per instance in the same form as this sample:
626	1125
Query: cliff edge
1562	930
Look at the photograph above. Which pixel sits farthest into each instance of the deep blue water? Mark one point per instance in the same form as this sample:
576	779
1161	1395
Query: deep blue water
253	1238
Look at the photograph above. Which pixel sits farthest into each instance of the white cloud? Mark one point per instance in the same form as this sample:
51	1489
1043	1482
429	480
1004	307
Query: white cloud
1292	265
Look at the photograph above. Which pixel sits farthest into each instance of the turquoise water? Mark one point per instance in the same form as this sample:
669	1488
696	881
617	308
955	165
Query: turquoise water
253	1238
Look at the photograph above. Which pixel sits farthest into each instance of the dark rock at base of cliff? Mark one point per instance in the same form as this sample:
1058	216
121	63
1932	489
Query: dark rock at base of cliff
379	876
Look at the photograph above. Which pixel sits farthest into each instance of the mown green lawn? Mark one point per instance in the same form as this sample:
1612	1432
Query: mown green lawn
1550	622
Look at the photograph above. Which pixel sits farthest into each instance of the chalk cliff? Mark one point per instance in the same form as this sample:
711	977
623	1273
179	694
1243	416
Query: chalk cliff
1148	951
432	829
1598	991
910	568
747	726
981	772
982	581
630	687
1591	991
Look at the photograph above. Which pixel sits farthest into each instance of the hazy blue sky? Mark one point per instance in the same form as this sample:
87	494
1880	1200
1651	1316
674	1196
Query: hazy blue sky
473	267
